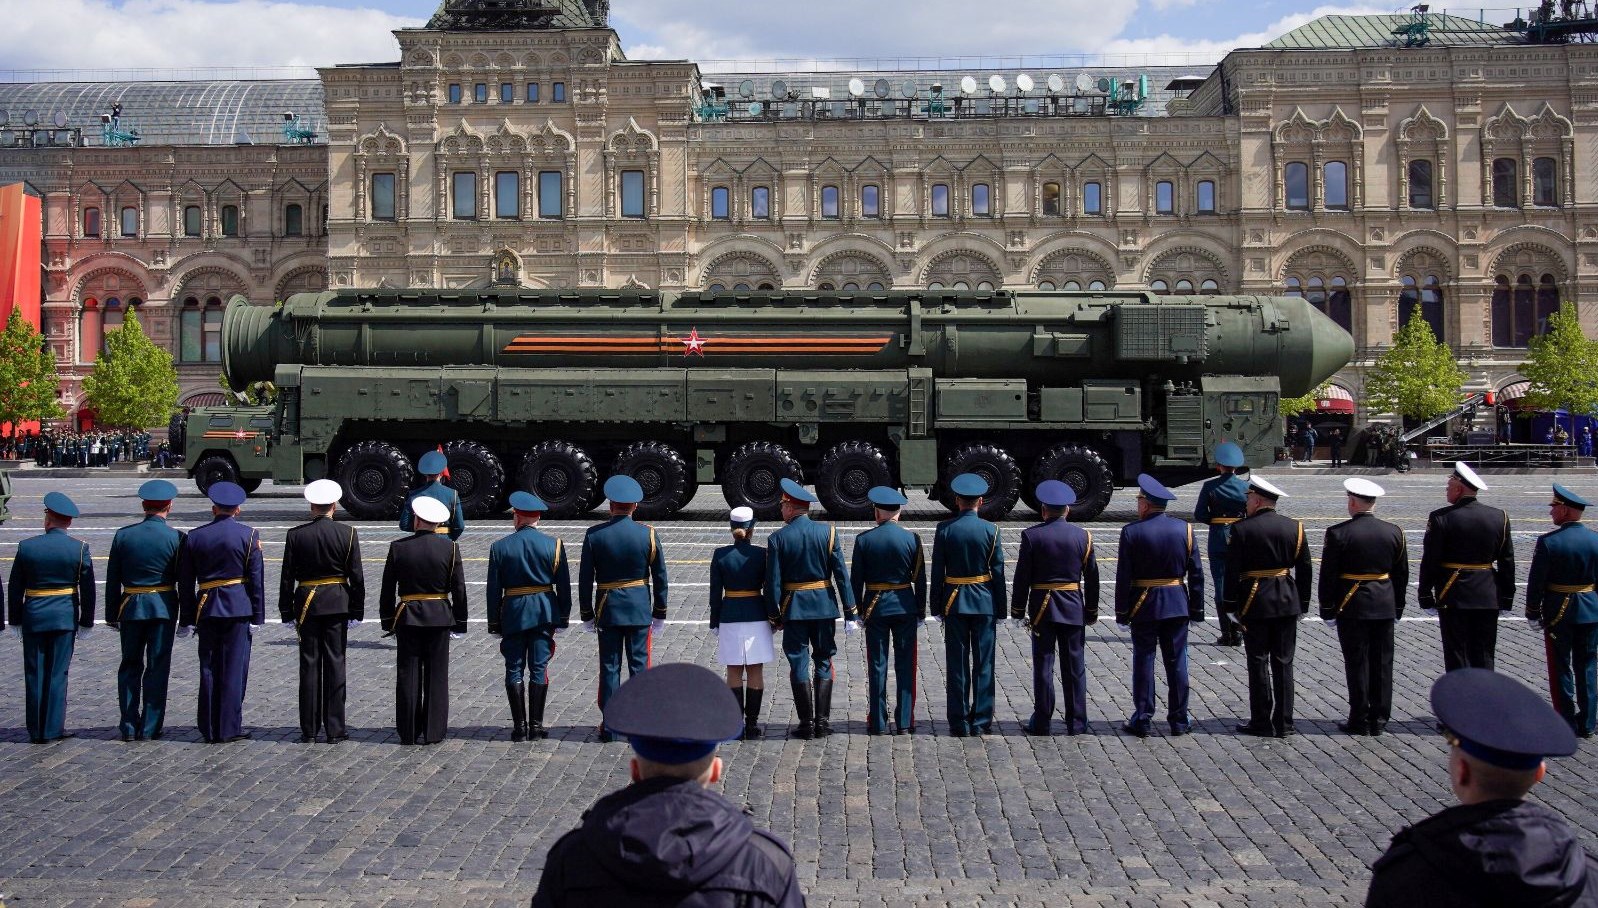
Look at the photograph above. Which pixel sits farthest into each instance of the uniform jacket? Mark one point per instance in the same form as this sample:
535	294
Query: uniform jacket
1223	498
1267	541
144	554
452	500
805	551
1467	532
889	553
51	560
1367	545
622	549
968	546
322	549
526	558
667	842
423	563
1567	556
223	549
1491	855
740	566
1159	547
1056	551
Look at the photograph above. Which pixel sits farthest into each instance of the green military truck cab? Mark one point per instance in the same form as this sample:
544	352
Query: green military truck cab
236	444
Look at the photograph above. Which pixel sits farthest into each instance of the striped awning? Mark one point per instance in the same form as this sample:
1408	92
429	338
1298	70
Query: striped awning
1513	391
1336	400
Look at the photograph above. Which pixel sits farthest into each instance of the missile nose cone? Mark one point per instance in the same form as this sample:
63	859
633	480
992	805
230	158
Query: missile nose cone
1314	354
1333	347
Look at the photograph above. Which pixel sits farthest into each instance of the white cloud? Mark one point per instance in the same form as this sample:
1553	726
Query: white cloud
171	34
1161	45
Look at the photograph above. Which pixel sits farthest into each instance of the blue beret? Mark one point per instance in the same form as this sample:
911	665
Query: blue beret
968	485
674	713
1568	497
226	494
1056	494
1151	488
527	501
432	463
59	503
1499	720
1228	454
623	489
884	497
798	492
158	490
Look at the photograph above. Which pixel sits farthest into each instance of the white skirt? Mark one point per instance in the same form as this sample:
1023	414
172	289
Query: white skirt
745	643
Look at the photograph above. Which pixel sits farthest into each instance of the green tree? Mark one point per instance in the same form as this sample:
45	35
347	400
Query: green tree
28	378
1293	406
1562	366
1417	377
134	385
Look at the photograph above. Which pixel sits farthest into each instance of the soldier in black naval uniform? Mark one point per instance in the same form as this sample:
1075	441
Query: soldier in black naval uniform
1467	572
889	574
1364	578
1056	596
322	593
141	596
1223	501
667	839
1495	848
222	594
423	604
1268	585
51	595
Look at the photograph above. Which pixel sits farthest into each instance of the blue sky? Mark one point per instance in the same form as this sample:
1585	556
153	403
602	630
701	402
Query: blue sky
134	34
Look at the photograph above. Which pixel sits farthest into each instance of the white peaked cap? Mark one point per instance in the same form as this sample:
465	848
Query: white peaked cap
1364	488
429	509
1261	484
323	491
1464	472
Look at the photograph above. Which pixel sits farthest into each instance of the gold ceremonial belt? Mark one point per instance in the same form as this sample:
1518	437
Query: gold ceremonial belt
886	587
527	591
312	585
140	590
1358	579
50	591
418	597
621	584
740	594
1571	588
1223	521
1062	585
322	581
1159	582
968	581
804	585
1265	575
1369	577
218	584
1450	566
440	528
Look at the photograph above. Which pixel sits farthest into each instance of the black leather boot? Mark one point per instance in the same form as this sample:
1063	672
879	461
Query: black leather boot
738	694
823	708
803	706
536	695
517	694
752	712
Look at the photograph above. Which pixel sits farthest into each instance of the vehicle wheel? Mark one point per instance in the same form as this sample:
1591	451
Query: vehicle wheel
376	477
663	473
847	473
562	474
753	476
1081	468
214	469
476	475
993	464
249	485
597	496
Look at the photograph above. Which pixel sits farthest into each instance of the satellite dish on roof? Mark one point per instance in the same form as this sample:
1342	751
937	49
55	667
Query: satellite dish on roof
1084	82
60	119
996	84
30	117
755	108
4	118
1104	85
746	89
1023	83
908	88
968	85
856	88
779	89
1056	84
882	89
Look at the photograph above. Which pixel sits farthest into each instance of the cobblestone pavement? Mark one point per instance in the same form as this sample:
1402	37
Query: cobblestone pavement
1209	819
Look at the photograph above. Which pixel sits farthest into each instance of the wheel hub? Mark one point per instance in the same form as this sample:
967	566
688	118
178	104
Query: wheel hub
554	481
370	482
855	483
651	480
761	483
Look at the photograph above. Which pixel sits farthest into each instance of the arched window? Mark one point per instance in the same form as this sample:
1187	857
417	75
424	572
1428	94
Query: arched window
766	287
940	200
293	221
870	201
1072	285
876	285
1340	305
760	203
1335	185
1160	287
1420	184
190	337
89	331
1206	196
1092	198
981	203
1521	310
230	220
742	288
826	285
1506	183
191	220
111	319
1165	197
1184	286
130	221
719	288
1544	182
213	329
720	203
1428	295
1097	285
1051	200
91	222
829	202
1295	184
934	286
851	286
1045	285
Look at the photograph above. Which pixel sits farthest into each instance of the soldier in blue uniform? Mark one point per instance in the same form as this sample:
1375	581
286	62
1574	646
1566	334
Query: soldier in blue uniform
322	595
432	466
222	592
889	574
141	602
51	591
969	596
423	604
623	560
529	602
738	607
1560	599
1056	595
1159	589
1494	848
1222	501
805	578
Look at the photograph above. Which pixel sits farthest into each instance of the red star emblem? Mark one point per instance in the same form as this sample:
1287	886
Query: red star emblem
241	434
694	343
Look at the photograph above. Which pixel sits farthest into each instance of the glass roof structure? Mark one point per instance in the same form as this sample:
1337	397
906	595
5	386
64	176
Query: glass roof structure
213	112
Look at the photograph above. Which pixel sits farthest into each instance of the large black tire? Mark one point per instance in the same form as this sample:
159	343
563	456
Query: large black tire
847	474
663	473
250	485
214	469
562	474
476	475
753	477
377	477
1081	468
993	464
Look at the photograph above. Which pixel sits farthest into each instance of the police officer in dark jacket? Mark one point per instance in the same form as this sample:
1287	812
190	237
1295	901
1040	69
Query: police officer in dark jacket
1495	848
222	593
1268	586
423	604
666	839
322	593
1562	599
51	595
1467	572
141	602
889	573
1159	591
1223	501
1056	595
1364	578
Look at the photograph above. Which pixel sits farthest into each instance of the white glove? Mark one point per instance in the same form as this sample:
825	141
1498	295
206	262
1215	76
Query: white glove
1537	625
713	632
657	627
294	625
185	631
455	636
352	624
932	619
1331	623
588	628
559	631
1430	612
850	627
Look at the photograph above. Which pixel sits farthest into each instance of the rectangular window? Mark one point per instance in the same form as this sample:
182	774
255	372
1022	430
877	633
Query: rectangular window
293	221
1295	183
940	200
557	93
454	93
230	220
532	93
1506	183
1544	182
507	93
829	202
382	197
550	201
981	201
463	196
719	198
213	334
130	221
1051	200
1334	178
91	222
480	92
1420	184
632	193
508	194
191	220
1092	198
760	203
1206	197
1164	197
870	202
189	341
